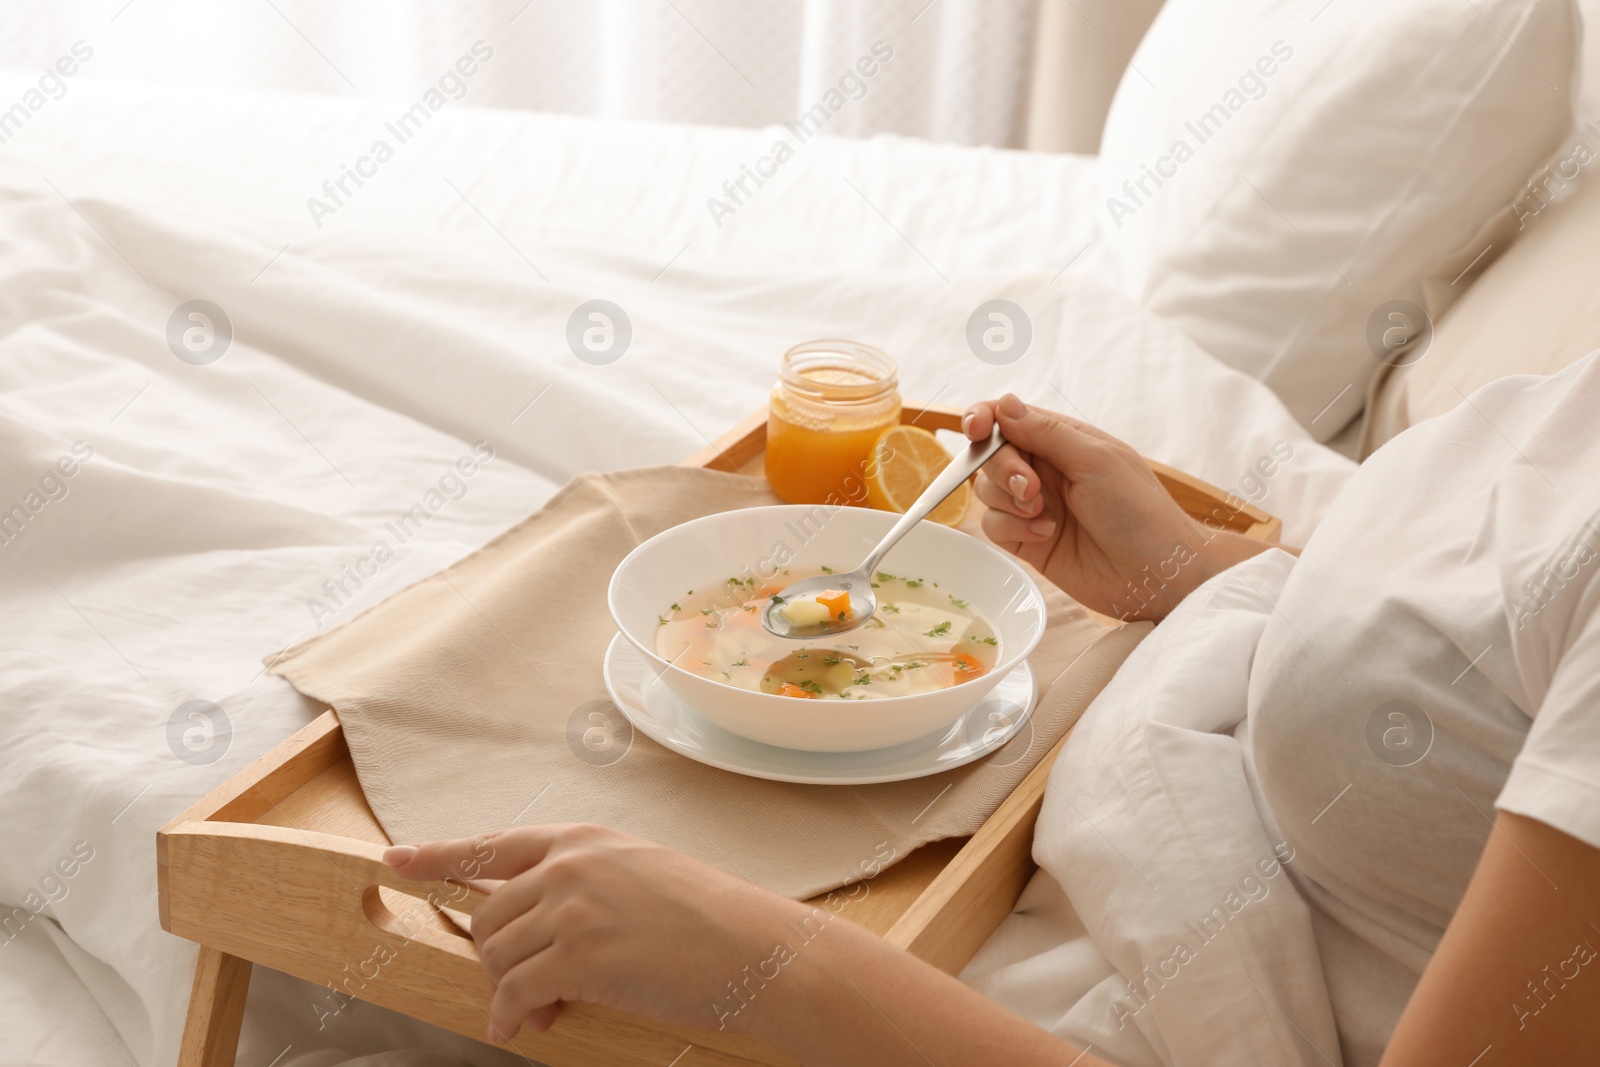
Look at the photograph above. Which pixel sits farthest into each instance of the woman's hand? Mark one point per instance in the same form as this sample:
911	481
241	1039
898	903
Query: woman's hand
595	915
1086	511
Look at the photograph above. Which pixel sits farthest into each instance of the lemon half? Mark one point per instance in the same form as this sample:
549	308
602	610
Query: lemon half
903	462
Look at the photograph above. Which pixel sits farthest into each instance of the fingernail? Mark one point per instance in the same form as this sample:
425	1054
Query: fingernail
399	855
1012	406
1042	527
966	423
1018	485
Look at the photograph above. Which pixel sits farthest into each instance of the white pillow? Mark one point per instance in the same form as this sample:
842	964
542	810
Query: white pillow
1276	174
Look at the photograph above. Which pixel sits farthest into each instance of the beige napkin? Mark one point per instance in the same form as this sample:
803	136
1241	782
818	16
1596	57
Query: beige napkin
473	700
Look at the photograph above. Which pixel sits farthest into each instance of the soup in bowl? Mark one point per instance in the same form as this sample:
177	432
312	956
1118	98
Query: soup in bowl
955	615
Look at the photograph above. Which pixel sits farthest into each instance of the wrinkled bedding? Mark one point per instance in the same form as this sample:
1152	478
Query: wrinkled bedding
210	502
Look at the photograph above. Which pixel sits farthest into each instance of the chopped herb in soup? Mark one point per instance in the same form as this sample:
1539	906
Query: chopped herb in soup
921	639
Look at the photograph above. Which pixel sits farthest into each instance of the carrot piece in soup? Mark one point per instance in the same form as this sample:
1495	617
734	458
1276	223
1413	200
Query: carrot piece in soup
837	603
966	666
789	689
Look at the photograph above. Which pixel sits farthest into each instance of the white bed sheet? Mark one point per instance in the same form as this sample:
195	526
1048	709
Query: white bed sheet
426	315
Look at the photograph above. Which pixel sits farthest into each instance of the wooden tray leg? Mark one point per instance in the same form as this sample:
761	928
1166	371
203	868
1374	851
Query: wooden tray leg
216	1010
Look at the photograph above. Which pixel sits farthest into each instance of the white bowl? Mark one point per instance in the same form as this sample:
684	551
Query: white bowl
760	542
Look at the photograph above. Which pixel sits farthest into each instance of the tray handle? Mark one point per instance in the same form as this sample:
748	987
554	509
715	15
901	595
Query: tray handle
346	873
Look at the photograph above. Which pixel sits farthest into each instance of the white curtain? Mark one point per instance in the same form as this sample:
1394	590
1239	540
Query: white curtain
958	70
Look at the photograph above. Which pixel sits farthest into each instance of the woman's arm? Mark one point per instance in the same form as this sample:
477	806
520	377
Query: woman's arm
1515	981
594	915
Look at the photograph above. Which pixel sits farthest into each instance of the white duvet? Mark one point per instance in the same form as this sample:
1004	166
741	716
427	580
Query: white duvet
1151	824
208	505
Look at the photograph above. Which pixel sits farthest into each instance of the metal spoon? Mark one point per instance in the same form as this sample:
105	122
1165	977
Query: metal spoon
858	583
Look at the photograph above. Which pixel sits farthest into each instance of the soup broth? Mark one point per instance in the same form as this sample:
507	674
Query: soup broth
921	638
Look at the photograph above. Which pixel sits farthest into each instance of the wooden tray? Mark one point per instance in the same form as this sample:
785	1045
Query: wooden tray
281	865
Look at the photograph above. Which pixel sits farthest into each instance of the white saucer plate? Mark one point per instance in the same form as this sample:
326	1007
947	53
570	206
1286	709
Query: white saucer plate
663	716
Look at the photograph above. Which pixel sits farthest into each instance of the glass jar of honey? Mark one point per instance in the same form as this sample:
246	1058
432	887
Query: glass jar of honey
832	400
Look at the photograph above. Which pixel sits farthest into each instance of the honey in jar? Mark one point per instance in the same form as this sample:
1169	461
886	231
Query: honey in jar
832	400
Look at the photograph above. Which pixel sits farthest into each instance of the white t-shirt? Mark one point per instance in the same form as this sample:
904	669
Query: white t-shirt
1434	655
